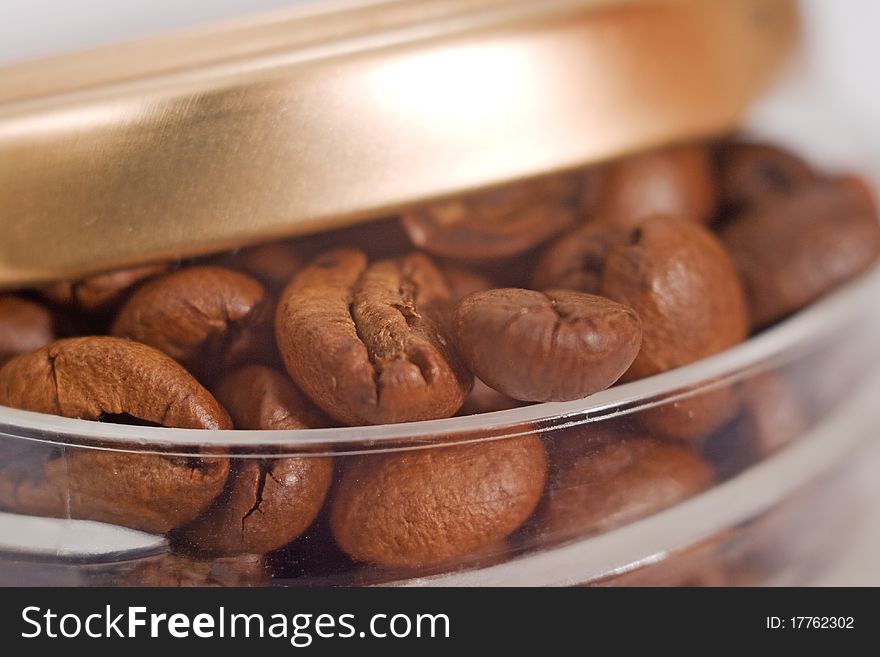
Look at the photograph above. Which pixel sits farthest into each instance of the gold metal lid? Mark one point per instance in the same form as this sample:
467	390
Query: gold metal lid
195	142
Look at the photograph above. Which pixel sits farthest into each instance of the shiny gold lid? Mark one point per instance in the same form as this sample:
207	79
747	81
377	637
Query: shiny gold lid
194	142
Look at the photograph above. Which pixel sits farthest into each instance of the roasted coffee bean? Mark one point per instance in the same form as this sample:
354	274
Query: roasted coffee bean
273	264
268	502
100	292
685	289
142	491
676	180
423	507
799	247
576	261
97	377
259	397
24	326
93	377
204	317
546	346
753	173
366	344
463	281
499	222
617	483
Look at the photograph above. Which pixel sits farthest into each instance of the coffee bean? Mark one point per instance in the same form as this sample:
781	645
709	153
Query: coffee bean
267	502
96	377
676	180
102	291
258	397
93	377
685	289
500	222
24	326
753	173
577	260
274	264
546	346
797	248
367	344
618	483
423	507
204	317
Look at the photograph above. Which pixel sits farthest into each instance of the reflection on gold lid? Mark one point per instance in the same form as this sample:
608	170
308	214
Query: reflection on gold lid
191	143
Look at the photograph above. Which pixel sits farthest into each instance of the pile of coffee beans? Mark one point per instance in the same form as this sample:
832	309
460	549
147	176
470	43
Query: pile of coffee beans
543	290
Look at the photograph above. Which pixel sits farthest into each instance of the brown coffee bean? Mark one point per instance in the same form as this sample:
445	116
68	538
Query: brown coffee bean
799	247
676	180
93	377
546	346
499	222
24	326
142	491
204	317
752	173
100	292
259	397
618	483
430	506
97	377
148	493
463	281
366	344
273	264
576	261
176	570
684	287
267	502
